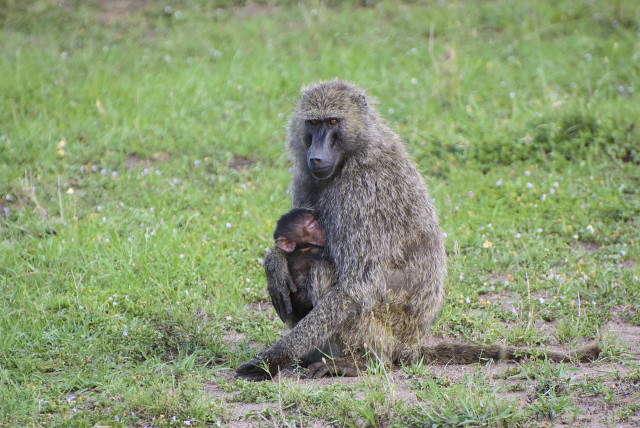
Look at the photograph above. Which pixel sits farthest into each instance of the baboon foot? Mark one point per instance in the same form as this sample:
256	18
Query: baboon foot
333	367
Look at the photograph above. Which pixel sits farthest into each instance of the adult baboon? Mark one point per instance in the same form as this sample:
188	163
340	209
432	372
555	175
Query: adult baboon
300	236
354	173
383	285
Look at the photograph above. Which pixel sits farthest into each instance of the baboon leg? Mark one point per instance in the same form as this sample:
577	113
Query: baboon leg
342	366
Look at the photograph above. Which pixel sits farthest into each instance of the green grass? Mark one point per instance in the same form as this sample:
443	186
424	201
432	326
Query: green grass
142	171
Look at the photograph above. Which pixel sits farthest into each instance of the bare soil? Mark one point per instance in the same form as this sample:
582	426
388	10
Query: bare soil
595	409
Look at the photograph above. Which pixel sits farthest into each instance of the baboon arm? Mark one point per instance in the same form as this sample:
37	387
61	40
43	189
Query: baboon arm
279	284
312	331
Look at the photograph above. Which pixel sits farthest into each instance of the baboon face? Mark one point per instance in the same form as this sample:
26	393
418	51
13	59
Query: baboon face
330	125
323	156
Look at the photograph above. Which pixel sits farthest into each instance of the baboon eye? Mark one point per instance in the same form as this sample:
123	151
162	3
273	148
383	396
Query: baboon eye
333	121
313	122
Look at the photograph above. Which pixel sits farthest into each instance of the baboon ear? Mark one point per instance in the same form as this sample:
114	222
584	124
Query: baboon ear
363	101
286	245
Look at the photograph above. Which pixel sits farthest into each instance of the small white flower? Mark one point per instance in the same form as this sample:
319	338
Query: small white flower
182	256
228	225
623	253
527	173
64	55
539	230
541	300
529	185
229	318
543	197
467	300
124	333
587	57
499	182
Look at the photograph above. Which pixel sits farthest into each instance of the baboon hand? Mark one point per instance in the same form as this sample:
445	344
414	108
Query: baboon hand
281	300
279	283
280	293
255	370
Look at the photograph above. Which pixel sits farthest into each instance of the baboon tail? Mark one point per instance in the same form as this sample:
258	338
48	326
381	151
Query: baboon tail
470	353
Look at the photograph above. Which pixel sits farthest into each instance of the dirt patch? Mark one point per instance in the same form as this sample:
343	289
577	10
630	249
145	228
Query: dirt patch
117	10
134	160
628	264
240	162
254	9
587	247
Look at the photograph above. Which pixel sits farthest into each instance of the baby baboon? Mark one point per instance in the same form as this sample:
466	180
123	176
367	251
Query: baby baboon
382	285
300	236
